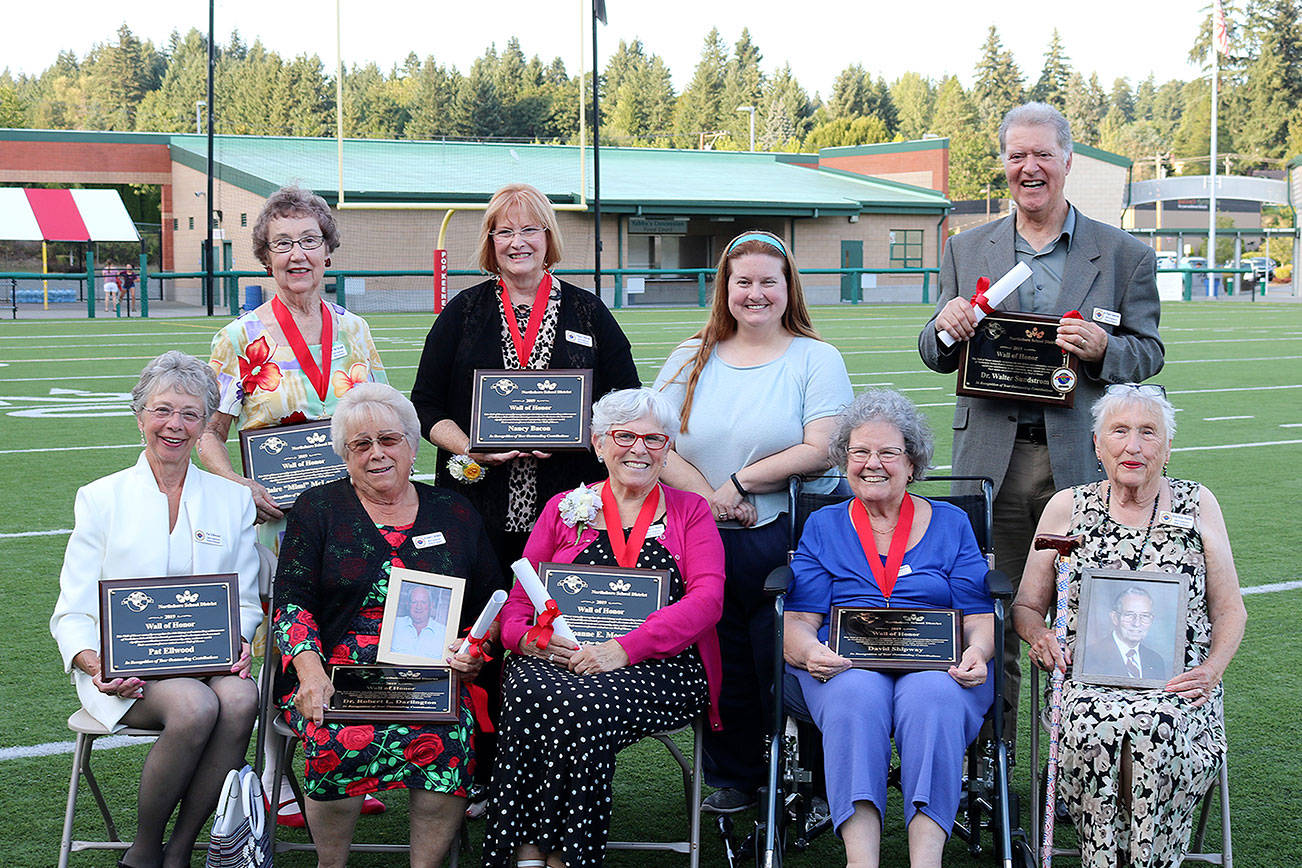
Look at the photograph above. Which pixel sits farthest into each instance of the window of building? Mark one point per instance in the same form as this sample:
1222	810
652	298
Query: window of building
191	222
176	224
244	218
906	248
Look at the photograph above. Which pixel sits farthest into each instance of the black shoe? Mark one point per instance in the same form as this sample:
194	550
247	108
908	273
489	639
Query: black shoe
727	801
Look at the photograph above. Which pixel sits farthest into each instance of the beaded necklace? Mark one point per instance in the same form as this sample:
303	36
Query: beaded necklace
1139	559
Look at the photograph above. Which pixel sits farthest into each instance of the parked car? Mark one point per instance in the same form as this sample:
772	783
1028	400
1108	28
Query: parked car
1167	260
1263	267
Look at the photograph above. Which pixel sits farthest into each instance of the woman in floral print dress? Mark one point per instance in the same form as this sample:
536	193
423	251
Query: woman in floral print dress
1135	761
341	543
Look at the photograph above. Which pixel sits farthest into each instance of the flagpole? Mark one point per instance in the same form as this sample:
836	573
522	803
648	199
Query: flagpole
1211	200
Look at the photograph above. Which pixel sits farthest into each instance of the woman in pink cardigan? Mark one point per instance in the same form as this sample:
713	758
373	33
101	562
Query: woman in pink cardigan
568	709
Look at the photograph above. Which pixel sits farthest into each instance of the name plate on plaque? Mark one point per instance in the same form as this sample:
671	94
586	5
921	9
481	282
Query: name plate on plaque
545	410
907	639
1013	355
289	459
600	603
365	693
173	625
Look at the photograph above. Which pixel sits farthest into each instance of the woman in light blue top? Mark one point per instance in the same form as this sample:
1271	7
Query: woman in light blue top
758	394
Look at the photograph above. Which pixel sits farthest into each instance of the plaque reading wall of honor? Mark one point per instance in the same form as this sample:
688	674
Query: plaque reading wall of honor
908	639
549	411
289	459
175	625
1013	355
366	693
600	603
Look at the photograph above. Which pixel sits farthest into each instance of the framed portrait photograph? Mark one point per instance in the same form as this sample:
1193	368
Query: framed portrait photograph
1130	628
421	614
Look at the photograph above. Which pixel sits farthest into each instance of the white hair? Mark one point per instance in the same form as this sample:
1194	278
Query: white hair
374	399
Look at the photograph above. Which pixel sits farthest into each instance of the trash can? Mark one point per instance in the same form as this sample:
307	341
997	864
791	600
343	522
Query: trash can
252	297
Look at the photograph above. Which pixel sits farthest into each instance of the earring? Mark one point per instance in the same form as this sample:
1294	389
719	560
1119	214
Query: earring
1164	466
268	271
601	459
327	262
1099	462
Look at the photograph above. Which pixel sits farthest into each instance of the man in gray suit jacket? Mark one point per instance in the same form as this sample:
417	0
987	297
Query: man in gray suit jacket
1077	264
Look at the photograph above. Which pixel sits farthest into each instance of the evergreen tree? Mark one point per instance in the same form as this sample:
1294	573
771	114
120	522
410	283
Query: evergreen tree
784	113
1086	106
250	92
742	86
430	111
477	109
699	109
914	98
170	107
998	84
1051	87
638	97
1145	98
1168	109
13	112
972	163
118	75
1193	137
1272	87
851	93
861	130
371	106
310	97
1122	99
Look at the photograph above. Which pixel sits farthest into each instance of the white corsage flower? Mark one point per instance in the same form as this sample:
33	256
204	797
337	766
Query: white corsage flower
579	509
465	469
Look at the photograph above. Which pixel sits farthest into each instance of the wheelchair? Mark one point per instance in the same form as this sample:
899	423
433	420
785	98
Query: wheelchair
793	811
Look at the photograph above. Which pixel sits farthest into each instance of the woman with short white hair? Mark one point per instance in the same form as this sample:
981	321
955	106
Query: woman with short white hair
1135	762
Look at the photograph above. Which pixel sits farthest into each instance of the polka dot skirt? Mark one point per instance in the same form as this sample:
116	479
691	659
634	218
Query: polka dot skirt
560	732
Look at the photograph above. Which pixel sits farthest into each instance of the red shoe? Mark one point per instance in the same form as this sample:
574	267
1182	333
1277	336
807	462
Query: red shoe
290	815
372	805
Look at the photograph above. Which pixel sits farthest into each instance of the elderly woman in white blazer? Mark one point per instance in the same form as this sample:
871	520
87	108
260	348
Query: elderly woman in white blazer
164	516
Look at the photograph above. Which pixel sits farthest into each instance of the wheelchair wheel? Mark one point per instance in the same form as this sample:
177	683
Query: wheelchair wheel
1022	853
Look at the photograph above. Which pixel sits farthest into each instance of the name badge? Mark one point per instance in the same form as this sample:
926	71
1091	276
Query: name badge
1103	315
578	338
655	531
1177	519
905	570
430	539
207	537
339	351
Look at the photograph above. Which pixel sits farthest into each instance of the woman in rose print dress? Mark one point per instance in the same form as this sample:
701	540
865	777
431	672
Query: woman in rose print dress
342	540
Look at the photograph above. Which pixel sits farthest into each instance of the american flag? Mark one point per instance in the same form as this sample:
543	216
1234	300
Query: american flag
1220	35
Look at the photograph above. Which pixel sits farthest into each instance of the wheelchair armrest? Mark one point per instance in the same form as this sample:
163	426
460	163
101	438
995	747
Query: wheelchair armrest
999	585
778	580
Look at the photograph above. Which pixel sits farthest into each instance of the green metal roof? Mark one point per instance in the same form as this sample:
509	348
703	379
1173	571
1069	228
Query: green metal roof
633	180
1100	154
885	148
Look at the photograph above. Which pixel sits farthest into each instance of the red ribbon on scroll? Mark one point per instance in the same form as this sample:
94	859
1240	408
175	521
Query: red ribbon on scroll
979	299
540	634
476	648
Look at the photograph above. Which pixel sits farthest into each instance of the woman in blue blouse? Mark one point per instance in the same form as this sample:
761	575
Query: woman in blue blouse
887	547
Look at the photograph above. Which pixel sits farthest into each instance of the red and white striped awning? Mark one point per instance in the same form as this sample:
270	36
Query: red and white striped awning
64	215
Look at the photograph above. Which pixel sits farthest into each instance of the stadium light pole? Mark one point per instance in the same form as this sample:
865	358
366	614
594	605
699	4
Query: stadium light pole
751	109
208	283
598	14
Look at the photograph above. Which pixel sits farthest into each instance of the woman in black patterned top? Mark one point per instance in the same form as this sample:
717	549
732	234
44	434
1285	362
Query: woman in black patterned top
341	543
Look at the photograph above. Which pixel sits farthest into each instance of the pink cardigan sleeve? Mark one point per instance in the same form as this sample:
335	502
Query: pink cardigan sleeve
517	614
682	624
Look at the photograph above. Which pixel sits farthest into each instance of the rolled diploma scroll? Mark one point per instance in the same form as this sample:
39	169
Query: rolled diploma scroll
995	295
485	620
538	595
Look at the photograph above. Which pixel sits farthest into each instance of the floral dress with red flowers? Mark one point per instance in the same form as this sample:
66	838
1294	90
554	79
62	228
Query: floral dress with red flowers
352	759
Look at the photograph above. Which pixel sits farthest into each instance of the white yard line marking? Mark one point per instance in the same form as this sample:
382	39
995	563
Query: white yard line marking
1225	418
1236	445
50	748
1291	425
71	448
1272	588
36	533
1235	359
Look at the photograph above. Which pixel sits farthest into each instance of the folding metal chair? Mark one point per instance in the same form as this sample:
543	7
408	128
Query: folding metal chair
691	770
1219	792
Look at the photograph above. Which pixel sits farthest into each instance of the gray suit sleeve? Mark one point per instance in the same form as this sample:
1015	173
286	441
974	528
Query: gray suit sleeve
936	355
1135	351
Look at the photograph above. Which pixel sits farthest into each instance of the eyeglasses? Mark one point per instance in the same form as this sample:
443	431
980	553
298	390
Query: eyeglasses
1135	617
654	442
885	456
163	412
527	233
307	242
362	445
1148	390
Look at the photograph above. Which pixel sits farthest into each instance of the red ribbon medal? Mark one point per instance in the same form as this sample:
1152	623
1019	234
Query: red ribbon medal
884	575
626	551
979	299
524	345
318	376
